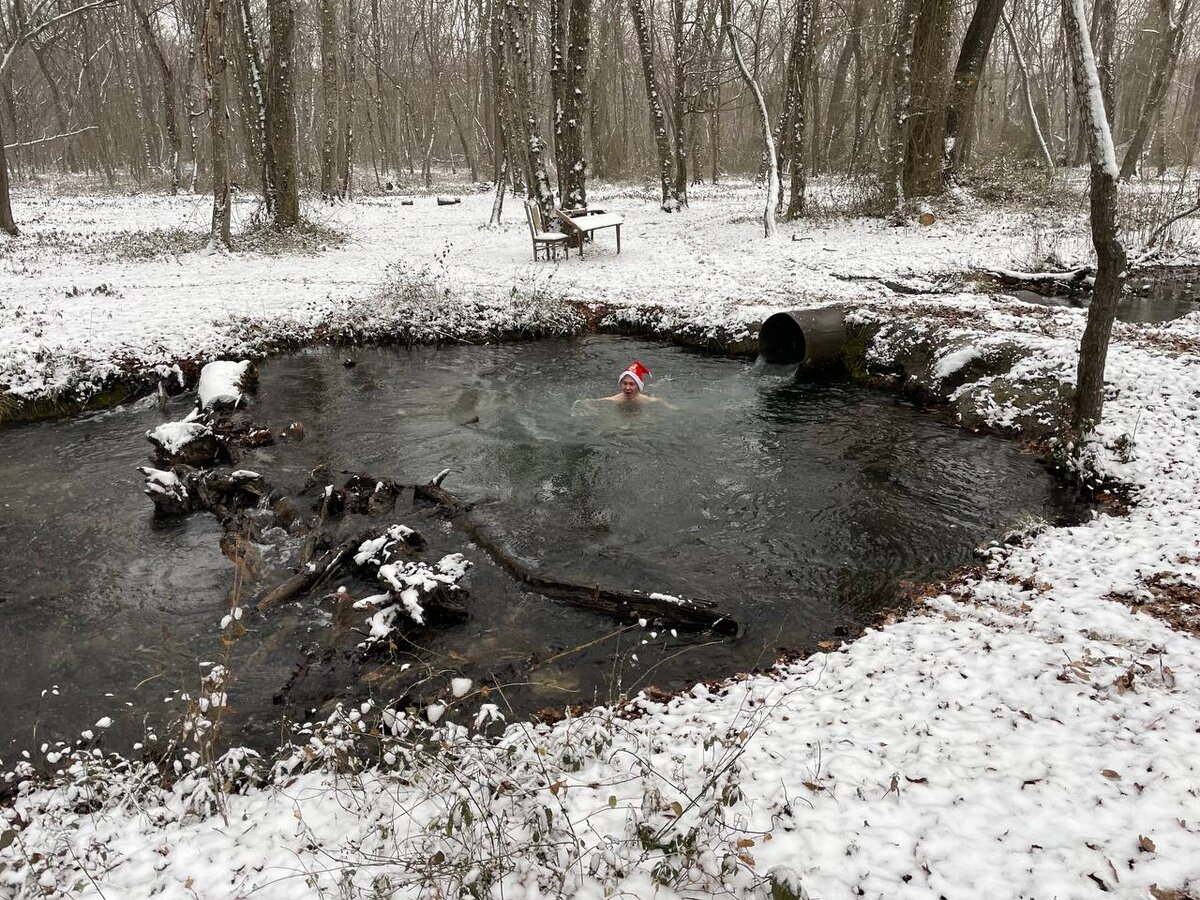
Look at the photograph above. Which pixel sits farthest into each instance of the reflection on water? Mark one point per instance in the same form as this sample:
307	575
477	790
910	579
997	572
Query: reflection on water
1149	297
796	506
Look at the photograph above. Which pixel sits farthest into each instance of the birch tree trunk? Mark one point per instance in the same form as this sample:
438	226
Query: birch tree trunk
214	62
1110	254
1164	71
770	229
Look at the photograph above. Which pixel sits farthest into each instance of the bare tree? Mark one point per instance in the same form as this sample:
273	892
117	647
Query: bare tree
281	113
214	63
770	229
967	72
926	103
39	19
1164	71
331	99
1027	93
901	104
1110	253
170	115
658	119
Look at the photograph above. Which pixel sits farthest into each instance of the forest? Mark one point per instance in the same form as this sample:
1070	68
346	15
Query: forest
899	99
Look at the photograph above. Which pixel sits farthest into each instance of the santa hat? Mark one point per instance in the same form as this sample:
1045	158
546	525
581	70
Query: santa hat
637	372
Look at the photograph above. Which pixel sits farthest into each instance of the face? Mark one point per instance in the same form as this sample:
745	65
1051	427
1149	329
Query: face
629	388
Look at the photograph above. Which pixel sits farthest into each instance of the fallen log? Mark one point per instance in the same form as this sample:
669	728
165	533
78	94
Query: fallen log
625	606
313	573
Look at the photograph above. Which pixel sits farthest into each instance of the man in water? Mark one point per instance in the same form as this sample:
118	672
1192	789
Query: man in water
632	382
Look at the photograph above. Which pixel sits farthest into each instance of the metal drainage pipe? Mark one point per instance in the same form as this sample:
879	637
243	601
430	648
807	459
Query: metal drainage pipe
811	337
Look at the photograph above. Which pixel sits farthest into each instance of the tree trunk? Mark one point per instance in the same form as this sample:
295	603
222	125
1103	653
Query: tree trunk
174	142
961	107
1110	254
927	109
7	223
258	111
214	75
835	116
658	120
347	174
331	99
1191	121
383	120
1019	58
1164	72
679	101
797	139
770	228
526	127
1105	51
901	105
281	112
60	112
556	12
573	179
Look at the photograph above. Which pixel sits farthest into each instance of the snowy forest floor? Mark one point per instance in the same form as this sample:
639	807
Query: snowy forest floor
1032	730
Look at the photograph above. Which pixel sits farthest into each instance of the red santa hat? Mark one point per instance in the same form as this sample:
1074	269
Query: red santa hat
637	372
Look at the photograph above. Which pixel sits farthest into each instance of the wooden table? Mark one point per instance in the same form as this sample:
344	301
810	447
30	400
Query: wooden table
583	223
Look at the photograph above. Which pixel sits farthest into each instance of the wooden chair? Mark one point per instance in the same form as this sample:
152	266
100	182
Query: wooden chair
548	242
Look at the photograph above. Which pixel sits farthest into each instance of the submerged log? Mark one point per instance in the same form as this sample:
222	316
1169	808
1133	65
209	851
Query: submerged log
313	573
625	606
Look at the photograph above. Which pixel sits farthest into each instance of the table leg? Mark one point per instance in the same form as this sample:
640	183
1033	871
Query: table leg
618	238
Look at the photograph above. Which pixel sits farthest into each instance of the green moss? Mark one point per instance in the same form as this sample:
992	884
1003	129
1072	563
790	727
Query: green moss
854	351
13	409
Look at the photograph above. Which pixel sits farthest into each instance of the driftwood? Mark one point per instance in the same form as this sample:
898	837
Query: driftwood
626	606
313	573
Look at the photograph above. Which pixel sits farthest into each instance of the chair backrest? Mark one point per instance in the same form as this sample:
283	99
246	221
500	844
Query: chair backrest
533	213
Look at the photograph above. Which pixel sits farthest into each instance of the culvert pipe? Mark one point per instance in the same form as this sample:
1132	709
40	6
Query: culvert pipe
812	337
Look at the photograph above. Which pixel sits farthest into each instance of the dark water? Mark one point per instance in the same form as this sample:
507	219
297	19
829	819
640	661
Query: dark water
1149	297
797	507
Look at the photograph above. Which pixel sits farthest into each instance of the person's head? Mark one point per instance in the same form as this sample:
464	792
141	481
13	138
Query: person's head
633	379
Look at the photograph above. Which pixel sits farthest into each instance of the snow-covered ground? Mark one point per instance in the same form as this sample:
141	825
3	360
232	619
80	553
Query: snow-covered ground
1031	731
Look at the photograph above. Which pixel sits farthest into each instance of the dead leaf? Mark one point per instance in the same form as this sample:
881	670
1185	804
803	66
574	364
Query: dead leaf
742	843
1109	773
1145	843
1124	683
1164	893
921	780
747	859
677	808
813	786
827	645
